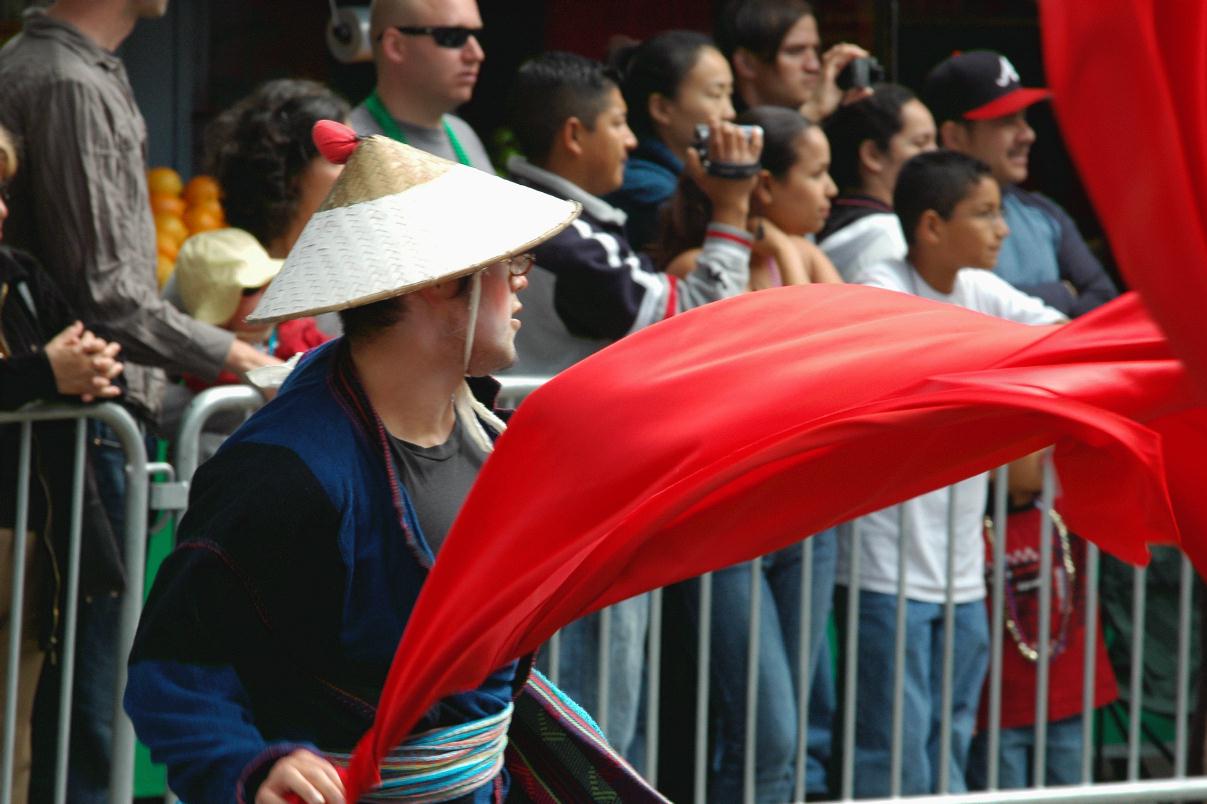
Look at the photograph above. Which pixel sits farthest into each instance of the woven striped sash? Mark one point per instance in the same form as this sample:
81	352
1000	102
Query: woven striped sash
441	764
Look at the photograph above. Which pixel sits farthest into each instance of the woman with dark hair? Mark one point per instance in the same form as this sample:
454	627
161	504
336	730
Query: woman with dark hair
872	139
671	83
271	173
273	179
790	200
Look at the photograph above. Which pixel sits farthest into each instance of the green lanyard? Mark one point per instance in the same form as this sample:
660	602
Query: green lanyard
389	127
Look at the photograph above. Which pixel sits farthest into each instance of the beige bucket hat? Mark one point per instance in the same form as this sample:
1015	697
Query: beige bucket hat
214	268
399	219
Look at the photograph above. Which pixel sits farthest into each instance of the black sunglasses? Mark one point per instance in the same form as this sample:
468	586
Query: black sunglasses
452	36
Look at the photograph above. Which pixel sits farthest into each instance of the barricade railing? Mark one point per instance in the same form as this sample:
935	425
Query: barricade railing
134	551
844	773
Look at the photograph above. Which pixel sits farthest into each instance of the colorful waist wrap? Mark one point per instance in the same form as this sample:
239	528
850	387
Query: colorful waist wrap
441	764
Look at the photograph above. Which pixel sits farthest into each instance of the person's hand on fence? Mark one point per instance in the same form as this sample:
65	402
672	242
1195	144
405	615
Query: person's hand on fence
301	776
83	364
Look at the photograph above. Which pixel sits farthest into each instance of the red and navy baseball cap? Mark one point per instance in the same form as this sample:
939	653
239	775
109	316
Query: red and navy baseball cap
977	85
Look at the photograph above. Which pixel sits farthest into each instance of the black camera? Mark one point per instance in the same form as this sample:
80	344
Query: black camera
700	144
860	73
724	170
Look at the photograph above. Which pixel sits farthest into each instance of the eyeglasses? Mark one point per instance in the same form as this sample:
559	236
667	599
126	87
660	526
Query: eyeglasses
519	265
451	36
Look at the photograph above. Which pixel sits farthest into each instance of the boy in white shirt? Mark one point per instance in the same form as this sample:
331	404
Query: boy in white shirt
950	210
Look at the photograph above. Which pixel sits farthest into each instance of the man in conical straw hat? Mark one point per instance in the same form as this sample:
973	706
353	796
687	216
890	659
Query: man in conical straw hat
270	630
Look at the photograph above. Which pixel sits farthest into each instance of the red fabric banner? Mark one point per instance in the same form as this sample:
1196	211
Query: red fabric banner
735	429
1129	83
731	431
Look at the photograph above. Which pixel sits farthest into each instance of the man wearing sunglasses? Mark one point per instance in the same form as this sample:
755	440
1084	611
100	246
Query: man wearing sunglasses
427	54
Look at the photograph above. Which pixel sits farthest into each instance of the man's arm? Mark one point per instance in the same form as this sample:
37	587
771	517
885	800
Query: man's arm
253	591
604	289
1080	268
1084	283
187	702
94	224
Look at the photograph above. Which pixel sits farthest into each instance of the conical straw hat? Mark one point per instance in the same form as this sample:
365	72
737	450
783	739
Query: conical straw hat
399	219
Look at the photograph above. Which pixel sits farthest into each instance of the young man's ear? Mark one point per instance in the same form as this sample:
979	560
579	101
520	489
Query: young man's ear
441	291
870	157
953	136
930	229
569	136
745	64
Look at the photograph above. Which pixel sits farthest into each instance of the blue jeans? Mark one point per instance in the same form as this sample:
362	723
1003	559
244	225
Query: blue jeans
94	697
1017	752
578	672
822	708
780	587
922	693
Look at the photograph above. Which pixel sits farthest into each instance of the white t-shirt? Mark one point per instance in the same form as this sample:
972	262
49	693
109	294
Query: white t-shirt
926	516
859	245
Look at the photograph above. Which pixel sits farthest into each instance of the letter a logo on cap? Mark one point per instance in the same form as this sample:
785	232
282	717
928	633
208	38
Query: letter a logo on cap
1008	74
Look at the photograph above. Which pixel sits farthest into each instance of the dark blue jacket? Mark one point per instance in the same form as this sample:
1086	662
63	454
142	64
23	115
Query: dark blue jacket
650	178
273	624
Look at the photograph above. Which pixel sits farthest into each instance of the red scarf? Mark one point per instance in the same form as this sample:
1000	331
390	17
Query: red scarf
735	429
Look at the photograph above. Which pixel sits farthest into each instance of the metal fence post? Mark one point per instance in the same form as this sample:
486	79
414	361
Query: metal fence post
71	619
20	530
847	781
121	775
997	625
703	665
1044	631
949	635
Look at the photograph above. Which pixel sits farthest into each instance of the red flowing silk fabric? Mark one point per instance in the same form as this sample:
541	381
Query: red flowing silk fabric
733	430
1129	79
738	428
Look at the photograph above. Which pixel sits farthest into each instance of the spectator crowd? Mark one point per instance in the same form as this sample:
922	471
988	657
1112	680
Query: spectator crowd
704	167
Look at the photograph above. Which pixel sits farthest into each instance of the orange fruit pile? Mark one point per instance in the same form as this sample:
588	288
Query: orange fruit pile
181	210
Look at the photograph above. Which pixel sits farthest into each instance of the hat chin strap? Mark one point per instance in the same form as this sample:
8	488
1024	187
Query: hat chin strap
475	297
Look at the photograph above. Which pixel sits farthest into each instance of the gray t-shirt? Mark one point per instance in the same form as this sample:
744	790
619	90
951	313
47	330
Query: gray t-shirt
438	479
433	140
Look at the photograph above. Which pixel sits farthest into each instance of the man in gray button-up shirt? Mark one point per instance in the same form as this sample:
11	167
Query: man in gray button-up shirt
80	204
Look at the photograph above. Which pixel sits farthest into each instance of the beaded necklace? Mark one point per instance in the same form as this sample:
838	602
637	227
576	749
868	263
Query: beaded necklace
1064	574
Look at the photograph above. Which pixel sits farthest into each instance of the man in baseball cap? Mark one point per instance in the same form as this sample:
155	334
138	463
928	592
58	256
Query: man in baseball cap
980	105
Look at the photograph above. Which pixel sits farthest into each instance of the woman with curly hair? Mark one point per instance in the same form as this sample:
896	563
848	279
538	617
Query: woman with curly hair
272	175
273	179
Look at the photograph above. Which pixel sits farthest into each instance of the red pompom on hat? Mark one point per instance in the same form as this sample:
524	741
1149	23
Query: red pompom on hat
335	141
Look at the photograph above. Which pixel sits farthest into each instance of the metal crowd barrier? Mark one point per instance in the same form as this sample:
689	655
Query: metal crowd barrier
1177	788
121	775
